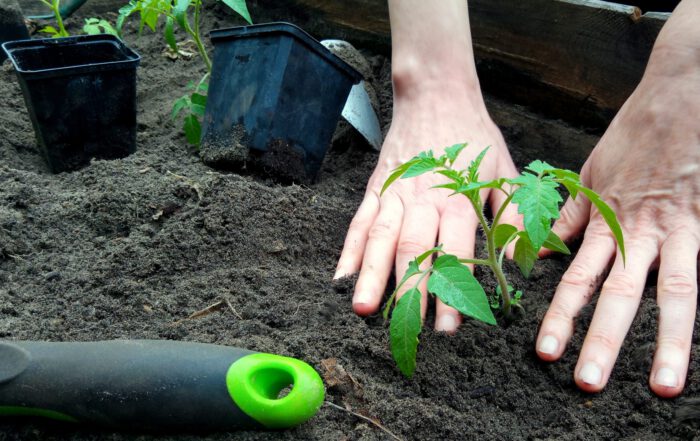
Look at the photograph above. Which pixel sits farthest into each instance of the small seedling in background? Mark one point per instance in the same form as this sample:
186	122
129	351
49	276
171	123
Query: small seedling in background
93	26
54	6
535	192
179	12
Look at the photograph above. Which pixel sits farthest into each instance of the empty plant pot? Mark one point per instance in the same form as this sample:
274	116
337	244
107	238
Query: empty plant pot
274	100
81	96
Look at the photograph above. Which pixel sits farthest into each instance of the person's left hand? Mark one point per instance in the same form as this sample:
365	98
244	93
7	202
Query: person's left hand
647	167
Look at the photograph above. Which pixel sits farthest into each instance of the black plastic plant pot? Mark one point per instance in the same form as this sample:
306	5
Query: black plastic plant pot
11	24
81	97
274	100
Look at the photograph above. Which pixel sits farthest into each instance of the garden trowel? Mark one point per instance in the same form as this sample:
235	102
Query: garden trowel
156	385
358	110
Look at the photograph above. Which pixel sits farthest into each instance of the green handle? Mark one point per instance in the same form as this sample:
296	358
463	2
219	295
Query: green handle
156	385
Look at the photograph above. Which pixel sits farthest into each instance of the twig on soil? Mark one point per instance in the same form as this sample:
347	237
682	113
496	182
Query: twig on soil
362	417
233	310
214	307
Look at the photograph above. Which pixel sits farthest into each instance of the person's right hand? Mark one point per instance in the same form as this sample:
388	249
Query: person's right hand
411	217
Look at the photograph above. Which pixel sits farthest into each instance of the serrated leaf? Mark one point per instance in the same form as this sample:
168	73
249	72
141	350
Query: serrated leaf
240	8
397	173
609	217
525	254
539	167
453	151
473	169
538	201
404	330
421	166
413	269
457	287
502	233
193	129
555	243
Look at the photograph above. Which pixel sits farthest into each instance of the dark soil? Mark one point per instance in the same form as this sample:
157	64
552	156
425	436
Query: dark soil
129	248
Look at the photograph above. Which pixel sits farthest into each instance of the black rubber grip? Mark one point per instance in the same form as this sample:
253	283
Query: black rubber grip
149	385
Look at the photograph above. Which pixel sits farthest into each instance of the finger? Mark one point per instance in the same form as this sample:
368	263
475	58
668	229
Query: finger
378	256
573	217
497	198
356	238
418	234
457	234
574	292
617	306
677	291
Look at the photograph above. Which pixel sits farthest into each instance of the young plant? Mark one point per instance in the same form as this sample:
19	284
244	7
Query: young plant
93	26
54	6
179	12
535	192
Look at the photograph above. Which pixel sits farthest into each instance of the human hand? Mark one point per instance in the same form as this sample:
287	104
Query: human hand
410	217
647	167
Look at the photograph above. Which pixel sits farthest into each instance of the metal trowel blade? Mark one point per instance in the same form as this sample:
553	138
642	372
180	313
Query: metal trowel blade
359	113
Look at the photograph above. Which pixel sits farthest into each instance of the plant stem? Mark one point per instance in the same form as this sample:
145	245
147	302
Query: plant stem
476	261
493	256
55	6
195	35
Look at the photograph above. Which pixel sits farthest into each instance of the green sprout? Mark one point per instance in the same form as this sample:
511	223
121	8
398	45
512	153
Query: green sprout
93	26
535	191
179	12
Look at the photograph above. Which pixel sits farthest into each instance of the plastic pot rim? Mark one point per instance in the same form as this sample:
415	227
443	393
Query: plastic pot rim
287	29
130	59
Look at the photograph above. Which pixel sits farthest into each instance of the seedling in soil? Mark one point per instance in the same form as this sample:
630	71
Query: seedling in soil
93	26
535	192
179	12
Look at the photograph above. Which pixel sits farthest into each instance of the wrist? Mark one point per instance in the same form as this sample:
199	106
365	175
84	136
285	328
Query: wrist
418	85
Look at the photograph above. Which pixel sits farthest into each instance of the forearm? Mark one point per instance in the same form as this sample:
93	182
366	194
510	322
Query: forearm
432	47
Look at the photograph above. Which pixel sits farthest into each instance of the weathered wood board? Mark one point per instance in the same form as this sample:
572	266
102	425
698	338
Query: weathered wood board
572	59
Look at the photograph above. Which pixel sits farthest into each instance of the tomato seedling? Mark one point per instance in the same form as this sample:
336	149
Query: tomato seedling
535	191
93	26
179	12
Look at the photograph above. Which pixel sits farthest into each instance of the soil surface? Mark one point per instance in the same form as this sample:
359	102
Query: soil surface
128	249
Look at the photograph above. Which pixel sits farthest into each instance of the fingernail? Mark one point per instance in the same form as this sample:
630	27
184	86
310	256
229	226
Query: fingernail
338	274
666	377
548	345
446	323
591	374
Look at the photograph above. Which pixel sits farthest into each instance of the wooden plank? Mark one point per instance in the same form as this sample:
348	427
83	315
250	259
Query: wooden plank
573	59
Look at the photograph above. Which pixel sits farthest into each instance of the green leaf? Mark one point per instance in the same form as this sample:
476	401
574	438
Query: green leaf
554	243
525	254
49	30
124	12
456	286
453	151
404	330
423	165
539	167
413	269
193	129
538	201
473	170
397	173
502	233
240	8
170	33
199	99
179	104
180	12
609	217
